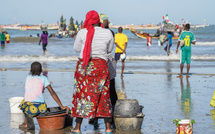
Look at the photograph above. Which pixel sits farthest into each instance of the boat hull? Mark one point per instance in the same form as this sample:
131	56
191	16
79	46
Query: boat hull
144	35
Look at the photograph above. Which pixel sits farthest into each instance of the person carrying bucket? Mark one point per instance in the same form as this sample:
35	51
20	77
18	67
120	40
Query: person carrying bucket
33	103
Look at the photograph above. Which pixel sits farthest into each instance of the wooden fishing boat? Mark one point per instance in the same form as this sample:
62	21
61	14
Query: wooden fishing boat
144	35
30	27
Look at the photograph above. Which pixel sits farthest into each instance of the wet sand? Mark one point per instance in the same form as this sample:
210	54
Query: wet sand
163	96
30	39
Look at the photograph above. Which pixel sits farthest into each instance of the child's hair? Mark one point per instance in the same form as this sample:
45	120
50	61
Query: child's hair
36	68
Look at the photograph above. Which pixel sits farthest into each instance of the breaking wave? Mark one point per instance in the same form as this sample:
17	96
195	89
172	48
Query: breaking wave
205	43
27	58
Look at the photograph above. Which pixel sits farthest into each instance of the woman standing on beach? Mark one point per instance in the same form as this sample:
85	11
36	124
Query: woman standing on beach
91	97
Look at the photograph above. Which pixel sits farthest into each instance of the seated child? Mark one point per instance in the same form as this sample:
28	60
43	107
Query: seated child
34	103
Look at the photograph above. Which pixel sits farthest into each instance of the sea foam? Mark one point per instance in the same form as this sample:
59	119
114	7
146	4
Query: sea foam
172	57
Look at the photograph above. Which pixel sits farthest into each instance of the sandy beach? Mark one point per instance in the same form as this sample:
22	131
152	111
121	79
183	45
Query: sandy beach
163	96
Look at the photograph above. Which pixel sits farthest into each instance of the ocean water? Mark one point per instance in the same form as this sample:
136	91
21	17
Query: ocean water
23	50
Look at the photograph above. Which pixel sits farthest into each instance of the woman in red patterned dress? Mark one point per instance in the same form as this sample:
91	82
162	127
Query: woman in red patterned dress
91	97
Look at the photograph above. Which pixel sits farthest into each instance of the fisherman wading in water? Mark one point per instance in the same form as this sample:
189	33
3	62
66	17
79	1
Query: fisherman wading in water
44	39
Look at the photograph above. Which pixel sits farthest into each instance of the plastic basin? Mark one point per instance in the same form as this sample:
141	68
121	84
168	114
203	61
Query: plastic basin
53	121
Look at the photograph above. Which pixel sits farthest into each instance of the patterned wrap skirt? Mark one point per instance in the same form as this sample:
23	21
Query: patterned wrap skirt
91	95
31	108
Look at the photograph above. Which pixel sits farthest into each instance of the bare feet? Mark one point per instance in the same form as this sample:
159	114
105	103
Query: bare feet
75	130
121	76
180	76
169	53
108	130
187	76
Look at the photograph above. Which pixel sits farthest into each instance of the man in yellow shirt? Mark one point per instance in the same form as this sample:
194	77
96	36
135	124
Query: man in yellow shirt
7	38
121	45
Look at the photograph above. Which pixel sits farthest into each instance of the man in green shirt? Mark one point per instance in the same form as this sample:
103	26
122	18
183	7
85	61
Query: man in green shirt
186	39
2	39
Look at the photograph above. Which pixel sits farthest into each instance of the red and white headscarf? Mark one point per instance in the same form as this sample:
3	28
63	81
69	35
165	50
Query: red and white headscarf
92	17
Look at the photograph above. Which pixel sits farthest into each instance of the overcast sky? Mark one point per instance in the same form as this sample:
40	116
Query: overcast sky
119	11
